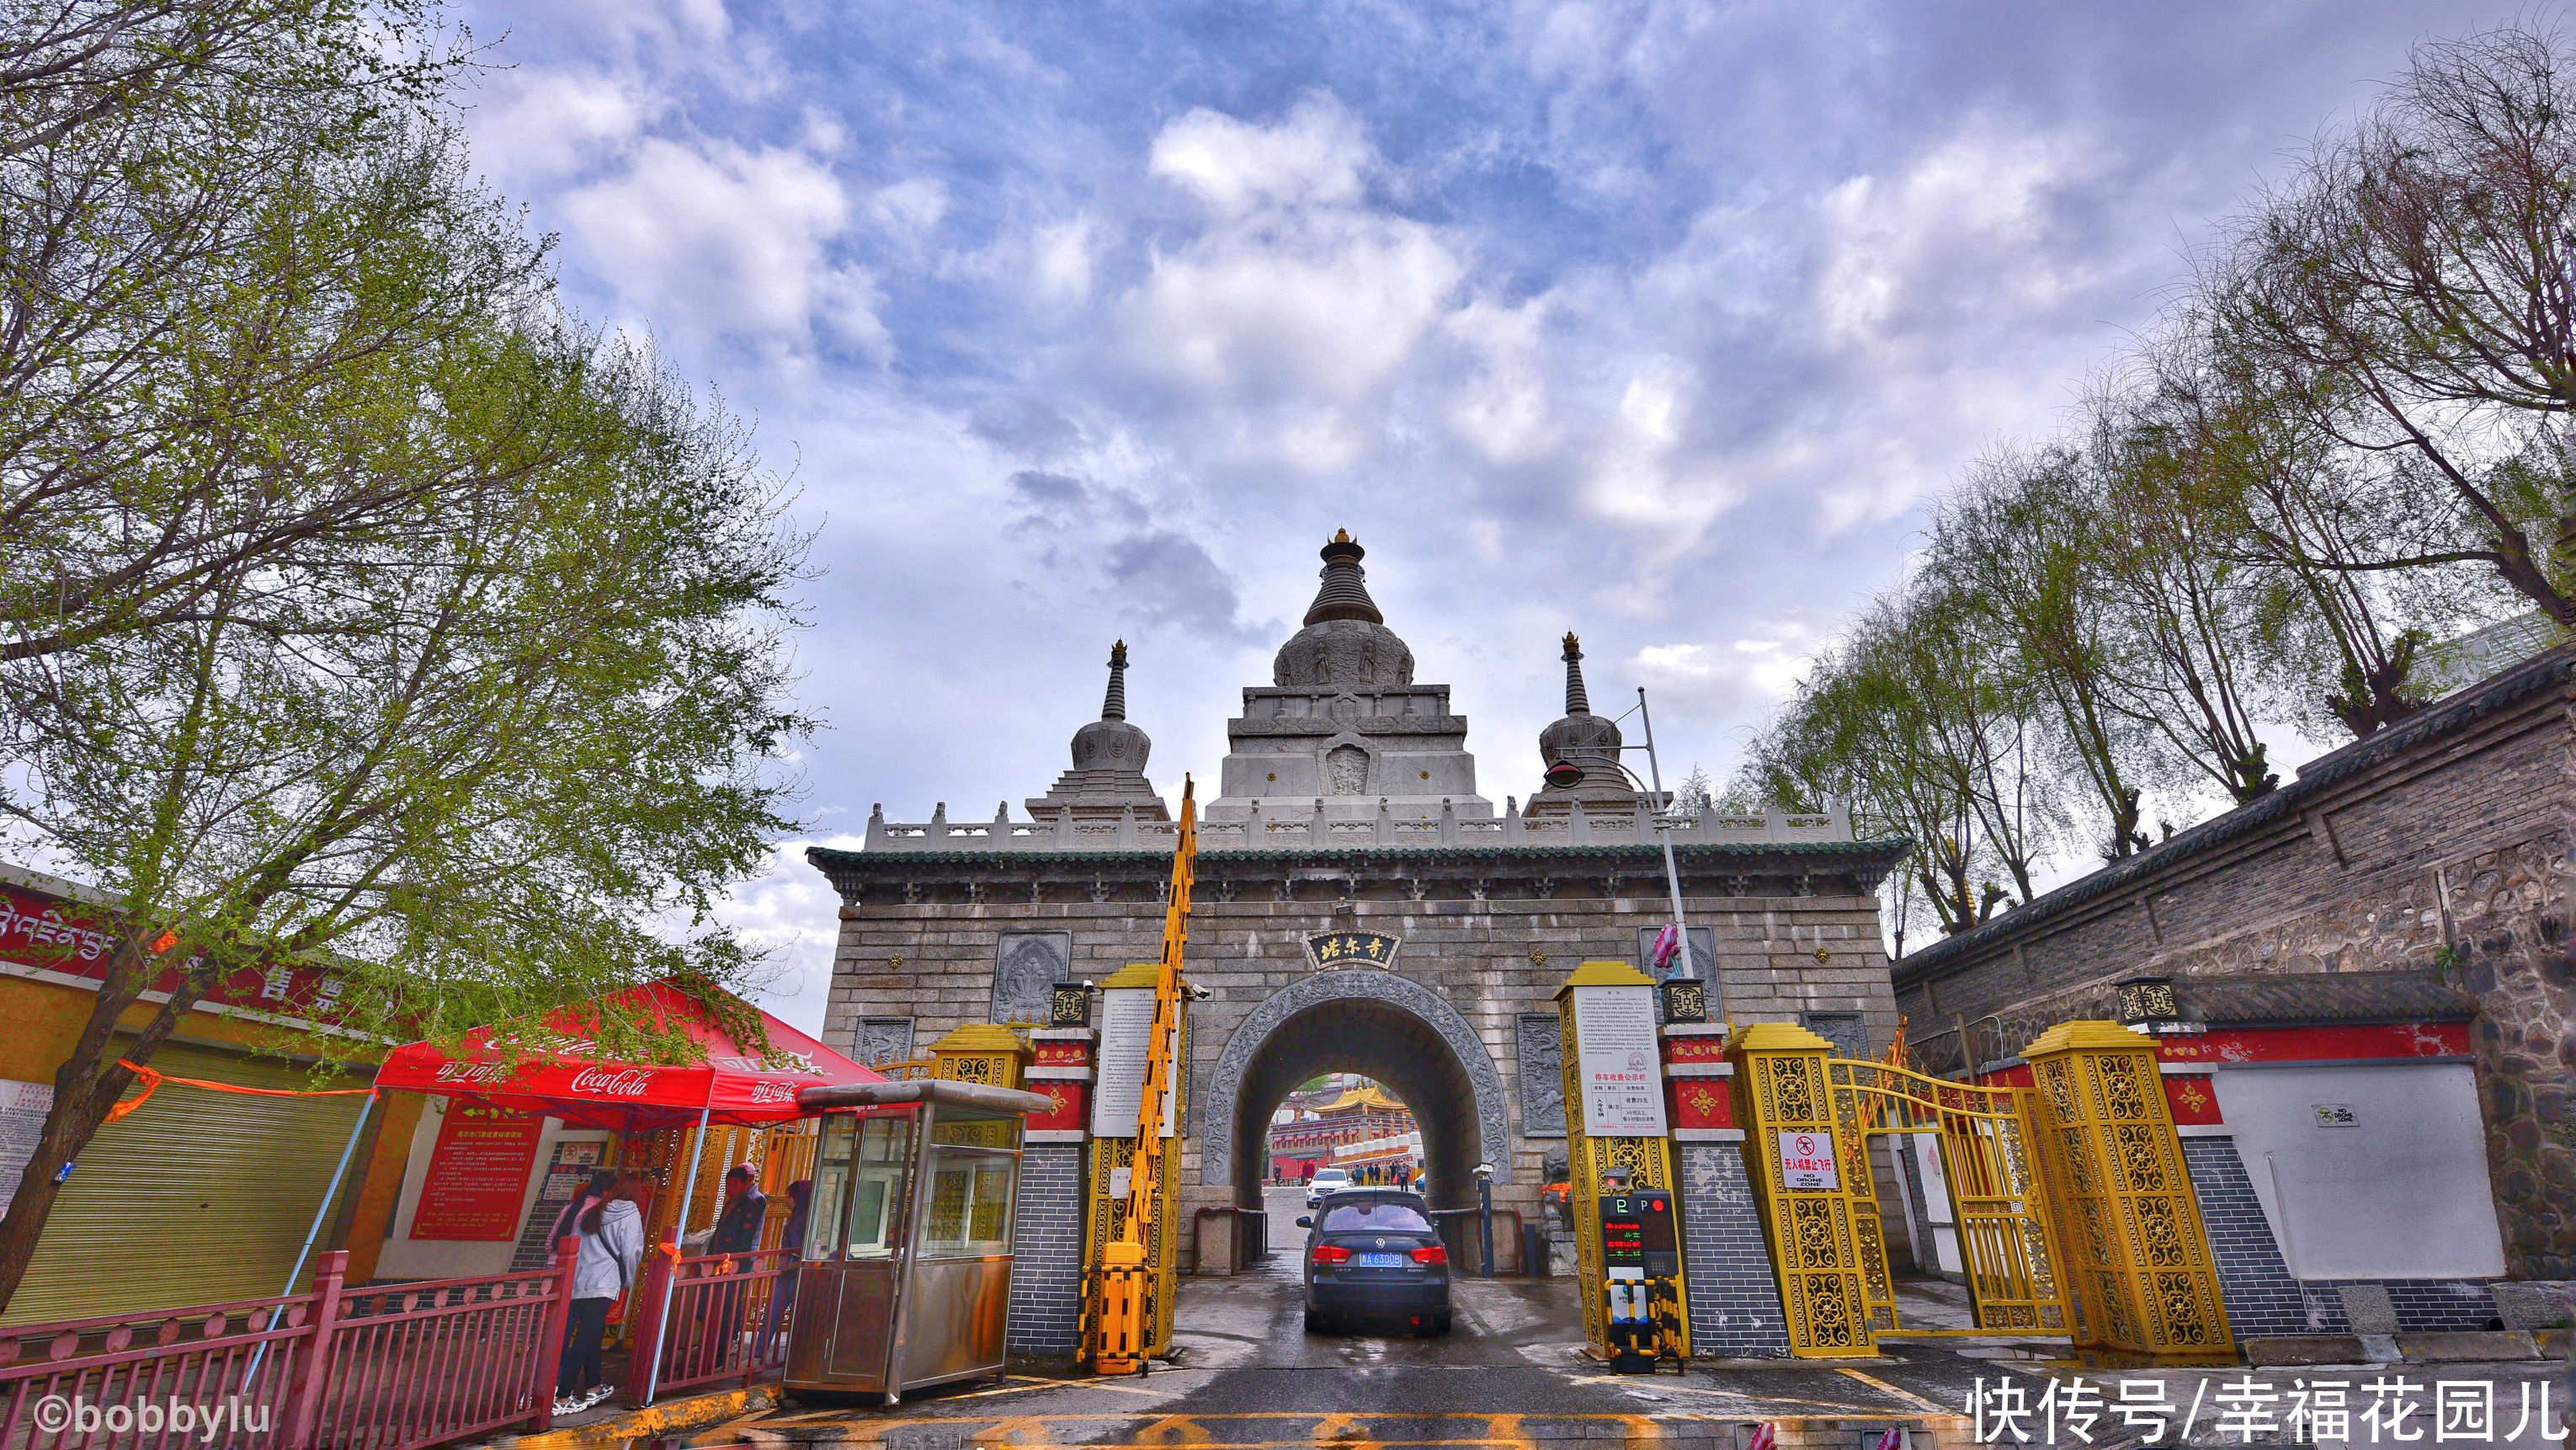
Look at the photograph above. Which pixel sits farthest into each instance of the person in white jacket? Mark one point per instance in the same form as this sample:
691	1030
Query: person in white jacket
612	1248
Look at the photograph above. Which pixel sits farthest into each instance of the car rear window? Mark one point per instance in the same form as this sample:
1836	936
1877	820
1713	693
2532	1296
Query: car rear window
1377	1213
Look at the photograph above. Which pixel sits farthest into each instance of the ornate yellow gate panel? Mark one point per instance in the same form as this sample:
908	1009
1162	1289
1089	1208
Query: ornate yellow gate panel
1816	1233
2138	1255
1984	1137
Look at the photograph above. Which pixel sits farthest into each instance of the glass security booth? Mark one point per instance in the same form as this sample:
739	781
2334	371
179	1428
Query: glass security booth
907	1271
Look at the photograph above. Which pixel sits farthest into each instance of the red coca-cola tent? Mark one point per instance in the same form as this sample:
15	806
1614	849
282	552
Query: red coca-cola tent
550	1069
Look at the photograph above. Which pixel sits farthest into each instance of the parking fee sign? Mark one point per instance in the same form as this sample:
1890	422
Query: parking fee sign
1807	1161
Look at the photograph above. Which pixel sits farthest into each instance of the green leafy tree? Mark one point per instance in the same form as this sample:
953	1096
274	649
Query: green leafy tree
367	614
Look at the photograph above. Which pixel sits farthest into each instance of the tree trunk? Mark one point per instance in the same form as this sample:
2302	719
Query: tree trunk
86	1085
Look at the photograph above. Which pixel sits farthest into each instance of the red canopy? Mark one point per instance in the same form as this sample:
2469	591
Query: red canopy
553	1071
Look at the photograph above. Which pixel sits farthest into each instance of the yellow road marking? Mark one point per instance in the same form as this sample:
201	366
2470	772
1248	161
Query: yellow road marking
1172	1430
1907	1396
1017	1430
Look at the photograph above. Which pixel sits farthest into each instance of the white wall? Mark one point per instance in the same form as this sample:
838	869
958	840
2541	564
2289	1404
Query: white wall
2401	1193
405	1257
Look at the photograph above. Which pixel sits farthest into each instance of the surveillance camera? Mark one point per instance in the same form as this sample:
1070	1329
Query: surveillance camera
1197	992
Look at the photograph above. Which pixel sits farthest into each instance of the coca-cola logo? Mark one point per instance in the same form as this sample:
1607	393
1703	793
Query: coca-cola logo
473	1071
628	1083
773	1092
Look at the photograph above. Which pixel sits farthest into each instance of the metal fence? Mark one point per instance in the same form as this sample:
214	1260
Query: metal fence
727	1321
377	1369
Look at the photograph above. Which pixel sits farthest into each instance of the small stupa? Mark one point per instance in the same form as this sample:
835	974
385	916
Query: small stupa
1108	773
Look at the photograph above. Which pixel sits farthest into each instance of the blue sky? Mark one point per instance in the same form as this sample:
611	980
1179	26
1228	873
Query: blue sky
1655	321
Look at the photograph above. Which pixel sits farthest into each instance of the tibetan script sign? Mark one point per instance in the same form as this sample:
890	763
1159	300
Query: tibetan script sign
1807	1161
1615	1062
1352	949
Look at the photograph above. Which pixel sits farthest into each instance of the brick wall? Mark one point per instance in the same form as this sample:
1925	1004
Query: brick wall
1046	1266
2253	1282
1734	1295
2442	843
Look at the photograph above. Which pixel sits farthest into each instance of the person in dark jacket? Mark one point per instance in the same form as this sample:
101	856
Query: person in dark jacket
737	1231
746	1211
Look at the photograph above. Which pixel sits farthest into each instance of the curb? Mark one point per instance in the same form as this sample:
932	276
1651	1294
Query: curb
668	1419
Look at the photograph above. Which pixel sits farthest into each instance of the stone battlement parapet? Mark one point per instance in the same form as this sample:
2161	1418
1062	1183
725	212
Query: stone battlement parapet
1125	832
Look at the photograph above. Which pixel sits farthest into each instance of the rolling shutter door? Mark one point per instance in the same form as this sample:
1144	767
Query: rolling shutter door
196	1198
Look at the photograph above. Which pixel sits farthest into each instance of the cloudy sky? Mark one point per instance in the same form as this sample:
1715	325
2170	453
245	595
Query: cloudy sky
1656	321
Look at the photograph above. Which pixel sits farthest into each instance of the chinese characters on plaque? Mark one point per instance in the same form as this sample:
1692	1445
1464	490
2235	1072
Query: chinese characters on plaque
1351	949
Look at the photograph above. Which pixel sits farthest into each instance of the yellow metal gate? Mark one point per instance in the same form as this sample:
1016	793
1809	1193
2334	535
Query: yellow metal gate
1984	1136
2073	1207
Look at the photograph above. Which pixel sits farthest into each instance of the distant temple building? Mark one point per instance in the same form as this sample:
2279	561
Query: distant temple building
1354	1128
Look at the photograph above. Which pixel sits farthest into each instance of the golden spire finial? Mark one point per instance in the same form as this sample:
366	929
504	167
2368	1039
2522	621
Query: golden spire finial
1572	645
1341	536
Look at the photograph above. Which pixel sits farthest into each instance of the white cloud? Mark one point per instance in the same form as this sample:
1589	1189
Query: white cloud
721	240
911	208
1962	228
793	915
1749	674
1501	407
1299	302
1313	158
537	127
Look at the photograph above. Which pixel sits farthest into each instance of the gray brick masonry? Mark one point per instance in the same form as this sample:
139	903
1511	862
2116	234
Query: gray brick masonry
1046	1269
1734	1296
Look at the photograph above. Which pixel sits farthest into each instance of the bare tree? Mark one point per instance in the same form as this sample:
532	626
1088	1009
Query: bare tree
2412	280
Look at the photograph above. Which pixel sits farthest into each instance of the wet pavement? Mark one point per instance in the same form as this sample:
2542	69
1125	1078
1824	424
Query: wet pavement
1246	1375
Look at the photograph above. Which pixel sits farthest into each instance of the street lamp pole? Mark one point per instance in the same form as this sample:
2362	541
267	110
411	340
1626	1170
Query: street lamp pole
1664	832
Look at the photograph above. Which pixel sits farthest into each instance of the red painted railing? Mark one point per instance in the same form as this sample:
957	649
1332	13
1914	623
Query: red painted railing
417	1364
371	1369
720	1327
152	1380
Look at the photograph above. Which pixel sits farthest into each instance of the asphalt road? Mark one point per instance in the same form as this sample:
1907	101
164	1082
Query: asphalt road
1246	1375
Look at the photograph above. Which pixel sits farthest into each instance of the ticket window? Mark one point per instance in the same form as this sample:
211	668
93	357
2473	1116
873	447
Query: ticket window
974	1174
860	1163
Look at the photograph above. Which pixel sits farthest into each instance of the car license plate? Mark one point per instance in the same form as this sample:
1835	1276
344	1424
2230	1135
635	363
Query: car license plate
1380	1261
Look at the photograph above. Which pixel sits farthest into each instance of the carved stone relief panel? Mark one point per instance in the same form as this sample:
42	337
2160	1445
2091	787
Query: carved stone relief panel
1541	1054
1026	967
1346	770
883	1039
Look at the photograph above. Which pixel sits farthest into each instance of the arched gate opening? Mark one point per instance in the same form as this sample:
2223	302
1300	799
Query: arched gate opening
1374	1023
1376	1040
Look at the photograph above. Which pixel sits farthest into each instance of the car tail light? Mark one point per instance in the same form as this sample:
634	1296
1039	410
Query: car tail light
1331	1254
1431	1254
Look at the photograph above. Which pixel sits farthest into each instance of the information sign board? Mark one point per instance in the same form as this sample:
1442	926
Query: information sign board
1126	1022
478	1175
1615	1066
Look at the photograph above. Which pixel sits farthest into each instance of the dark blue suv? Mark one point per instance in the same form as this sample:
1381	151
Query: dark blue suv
1371	1253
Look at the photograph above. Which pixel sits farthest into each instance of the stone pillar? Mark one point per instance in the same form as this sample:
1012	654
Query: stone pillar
1111	1153
1734	1295
1587	996
1815	1232
1046	1271
2138	1267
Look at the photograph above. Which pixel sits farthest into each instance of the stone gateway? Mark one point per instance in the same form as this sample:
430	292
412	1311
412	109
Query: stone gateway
1348	809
